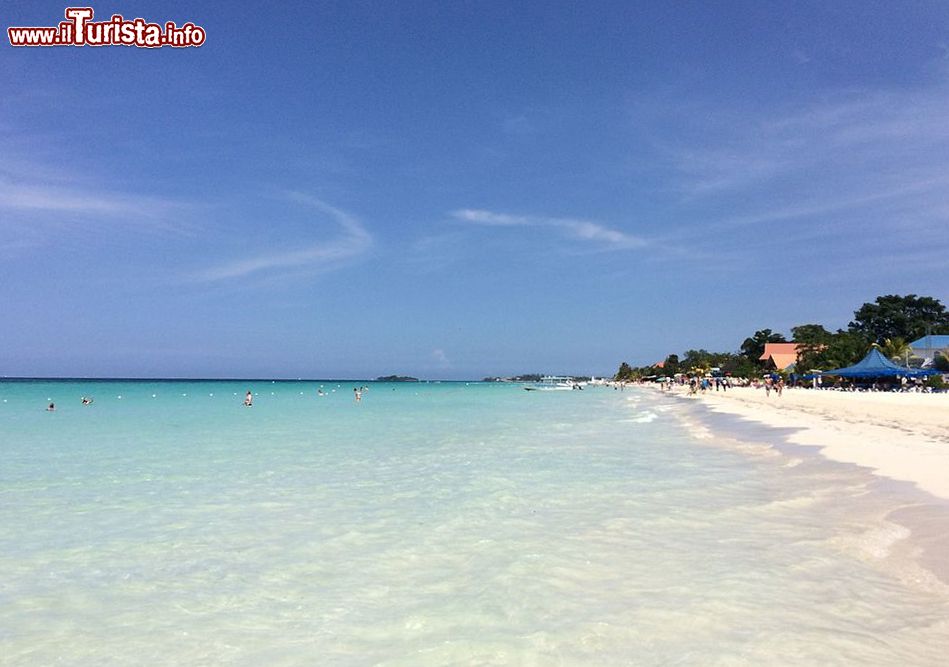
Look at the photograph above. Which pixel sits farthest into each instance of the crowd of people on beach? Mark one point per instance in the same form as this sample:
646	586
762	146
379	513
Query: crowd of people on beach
697	384
776	383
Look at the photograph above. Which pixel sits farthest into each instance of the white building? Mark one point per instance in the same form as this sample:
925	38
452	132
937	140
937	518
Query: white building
927	347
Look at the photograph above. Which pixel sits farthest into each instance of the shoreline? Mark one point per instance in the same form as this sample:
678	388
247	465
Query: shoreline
902	437
910	465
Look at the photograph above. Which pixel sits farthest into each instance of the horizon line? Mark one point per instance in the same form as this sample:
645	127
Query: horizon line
21	378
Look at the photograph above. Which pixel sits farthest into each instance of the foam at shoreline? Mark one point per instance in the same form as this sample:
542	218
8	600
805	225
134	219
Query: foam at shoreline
901	436
908	465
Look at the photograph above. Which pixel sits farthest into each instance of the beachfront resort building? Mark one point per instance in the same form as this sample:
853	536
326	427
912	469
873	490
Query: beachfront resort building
927	347
779	356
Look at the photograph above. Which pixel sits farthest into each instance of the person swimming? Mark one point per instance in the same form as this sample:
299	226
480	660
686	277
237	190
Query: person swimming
86	400
249	400
51	408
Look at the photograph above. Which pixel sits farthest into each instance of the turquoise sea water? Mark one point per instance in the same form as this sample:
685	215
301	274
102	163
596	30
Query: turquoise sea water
436	524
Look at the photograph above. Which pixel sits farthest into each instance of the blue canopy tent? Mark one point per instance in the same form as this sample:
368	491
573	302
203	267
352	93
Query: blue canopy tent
875	365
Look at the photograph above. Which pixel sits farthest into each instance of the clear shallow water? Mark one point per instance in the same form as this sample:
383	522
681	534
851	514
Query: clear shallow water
432	525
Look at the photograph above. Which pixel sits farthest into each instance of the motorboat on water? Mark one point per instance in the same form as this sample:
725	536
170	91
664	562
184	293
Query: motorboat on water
555	383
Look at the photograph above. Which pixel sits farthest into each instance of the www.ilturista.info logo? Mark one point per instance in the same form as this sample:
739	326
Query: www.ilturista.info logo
80	30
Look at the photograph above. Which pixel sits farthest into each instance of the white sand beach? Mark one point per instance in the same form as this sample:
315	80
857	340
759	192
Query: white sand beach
900	436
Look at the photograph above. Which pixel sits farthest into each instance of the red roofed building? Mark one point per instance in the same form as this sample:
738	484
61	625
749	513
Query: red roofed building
779	355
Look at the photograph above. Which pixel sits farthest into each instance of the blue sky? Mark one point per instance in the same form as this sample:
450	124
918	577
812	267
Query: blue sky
459	189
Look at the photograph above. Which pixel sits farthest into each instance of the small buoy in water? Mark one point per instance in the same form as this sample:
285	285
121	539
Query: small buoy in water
210	394
153	395
119	397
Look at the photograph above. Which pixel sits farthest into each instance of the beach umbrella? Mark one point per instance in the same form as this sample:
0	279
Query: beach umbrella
875	365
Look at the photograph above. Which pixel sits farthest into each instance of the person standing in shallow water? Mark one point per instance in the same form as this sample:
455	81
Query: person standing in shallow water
249	400
357	394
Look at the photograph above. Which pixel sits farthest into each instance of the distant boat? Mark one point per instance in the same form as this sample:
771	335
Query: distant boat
555	383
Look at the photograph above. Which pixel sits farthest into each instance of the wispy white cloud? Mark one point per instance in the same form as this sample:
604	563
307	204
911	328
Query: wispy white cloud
582	230
352	242
38	193
850	140
829	205
34	198
870	162
441	359
482	217
801	57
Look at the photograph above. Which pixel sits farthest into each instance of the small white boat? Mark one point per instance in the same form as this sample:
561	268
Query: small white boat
555	383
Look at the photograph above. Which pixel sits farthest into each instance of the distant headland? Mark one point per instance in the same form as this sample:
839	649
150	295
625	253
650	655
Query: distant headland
396	378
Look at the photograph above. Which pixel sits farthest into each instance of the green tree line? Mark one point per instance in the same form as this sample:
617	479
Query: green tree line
891	321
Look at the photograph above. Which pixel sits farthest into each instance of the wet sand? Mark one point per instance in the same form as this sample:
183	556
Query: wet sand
900	436
902	439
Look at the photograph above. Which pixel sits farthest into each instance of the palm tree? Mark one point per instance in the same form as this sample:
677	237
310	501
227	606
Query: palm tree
897	350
